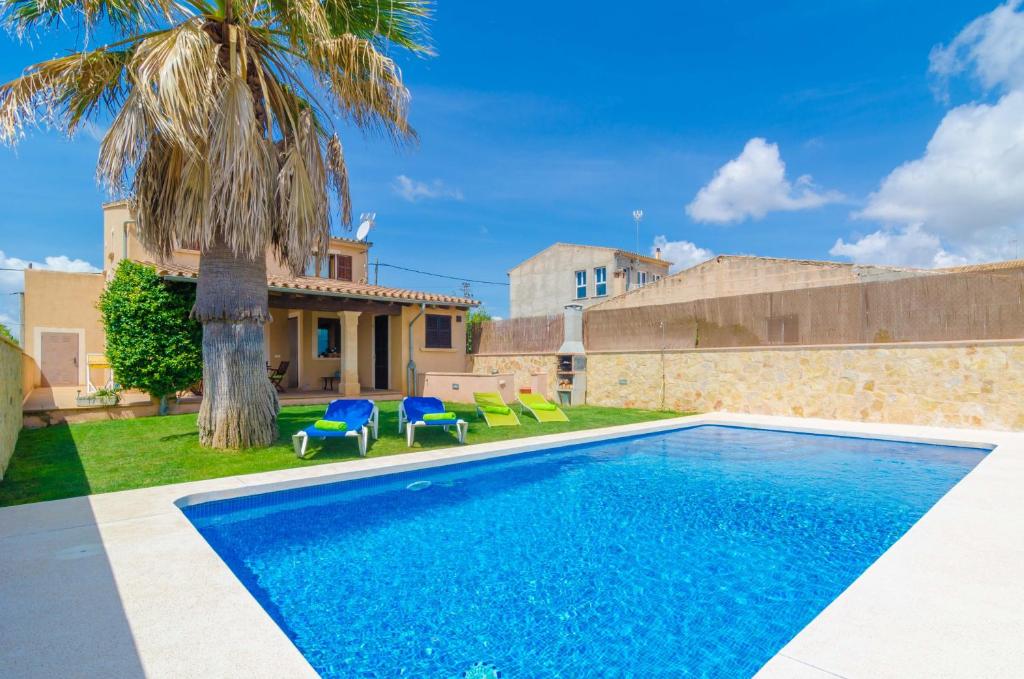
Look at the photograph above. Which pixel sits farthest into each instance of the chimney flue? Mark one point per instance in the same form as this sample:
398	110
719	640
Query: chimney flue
572	317
657	253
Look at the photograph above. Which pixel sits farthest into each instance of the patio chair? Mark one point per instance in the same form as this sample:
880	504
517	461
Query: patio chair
541	408
427	412
494	410
355	417
277	374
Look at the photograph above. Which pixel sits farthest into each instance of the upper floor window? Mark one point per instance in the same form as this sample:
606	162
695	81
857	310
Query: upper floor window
439	331
600	281
581	284
332	266
641	278
340	267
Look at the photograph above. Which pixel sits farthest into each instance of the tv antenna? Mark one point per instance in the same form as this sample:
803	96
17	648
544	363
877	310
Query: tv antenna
638	216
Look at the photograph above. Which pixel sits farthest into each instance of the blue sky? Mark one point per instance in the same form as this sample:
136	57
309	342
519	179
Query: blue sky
851	130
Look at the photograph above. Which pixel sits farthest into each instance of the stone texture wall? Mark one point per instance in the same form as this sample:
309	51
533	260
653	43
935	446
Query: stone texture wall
10	400
522	367
952	384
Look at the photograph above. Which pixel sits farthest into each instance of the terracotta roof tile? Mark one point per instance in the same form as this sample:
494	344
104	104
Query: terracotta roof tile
331	286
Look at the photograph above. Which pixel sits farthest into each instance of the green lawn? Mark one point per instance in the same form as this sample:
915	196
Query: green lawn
99	457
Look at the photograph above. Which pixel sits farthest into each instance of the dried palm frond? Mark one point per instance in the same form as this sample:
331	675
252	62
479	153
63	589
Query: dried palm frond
62	91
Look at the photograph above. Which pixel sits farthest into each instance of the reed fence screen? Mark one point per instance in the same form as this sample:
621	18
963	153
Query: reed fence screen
528	335
936	307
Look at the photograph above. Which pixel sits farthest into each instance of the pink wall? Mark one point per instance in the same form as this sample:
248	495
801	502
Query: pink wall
459	387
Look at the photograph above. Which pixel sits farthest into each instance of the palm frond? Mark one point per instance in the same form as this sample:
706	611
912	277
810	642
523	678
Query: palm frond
62	91
301	197
366	84
337	177
242	171
22	16
174	73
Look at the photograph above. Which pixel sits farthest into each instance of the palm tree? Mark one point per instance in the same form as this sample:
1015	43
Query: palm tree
222	134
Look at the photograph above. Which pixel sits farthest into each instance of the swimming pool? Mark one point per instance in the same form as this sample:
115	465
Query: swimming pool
695	552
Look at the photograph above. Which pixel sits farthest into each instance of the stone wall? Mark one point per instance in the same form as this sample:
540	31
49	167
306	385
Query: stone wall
523	368
949	384
10	400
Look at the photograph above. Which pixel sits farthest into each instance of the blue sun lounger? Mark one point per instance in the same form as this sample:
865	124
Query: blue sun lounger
413	412
360	416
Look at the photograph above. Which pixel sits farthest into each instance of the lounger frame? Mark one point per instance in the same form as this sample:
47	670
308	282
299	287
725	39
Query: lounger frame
409	427
301	439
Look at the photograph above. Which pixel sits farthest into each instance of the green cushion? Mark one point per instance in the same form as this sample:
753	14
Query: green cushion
432	417
543	406
497	410
330	425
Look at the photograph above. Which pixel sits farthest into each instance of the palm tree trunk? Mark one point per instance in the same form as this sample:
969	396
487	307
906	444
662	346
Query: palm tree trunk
239	407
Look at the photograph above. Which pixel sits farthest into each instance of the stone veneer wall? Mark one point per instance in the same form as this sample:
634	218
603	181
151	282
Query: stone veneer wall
954	384
522	367
10	400
945	384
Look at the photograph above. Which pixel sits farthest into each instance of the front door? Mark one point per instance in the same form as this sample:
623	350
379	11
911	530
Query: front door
380	352
58	354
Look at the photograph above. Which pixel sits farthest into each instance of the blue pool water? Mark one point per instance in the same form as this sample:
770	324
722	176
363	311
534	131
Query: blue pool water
698	552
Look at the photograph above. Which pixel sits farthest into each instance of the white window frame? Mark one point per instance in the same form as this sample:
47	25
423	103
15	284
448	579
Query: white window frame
600	281
641	279
581	284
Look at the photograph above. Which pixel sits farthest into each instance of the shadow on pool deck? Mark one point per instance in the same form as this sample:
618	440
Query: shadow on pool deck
52	625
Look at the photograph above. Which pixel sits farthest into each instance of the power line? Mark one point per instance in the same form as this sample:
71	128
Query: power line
440	275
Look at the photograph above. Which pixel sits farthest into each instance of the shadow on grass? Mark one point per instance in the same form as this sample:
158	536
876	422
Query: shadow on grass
45	466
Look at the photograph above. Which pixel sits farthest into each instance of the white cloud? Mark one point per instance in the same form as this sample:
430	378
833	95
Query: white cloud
963	199
754	184
412	190
682	253
970	180
14	281
991	47
909	246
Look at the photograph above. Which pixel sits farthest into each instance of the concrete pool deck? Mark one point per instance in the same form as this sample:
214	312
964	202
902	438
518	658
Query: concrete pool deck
121	584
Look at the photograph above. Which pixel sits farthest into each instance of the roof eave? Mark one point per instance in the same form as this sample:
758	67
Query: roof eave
460	303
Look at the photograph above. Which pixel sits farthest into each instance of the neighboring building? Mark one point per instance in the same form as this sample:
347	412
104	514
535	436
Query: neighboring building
578	274
330	321
729	275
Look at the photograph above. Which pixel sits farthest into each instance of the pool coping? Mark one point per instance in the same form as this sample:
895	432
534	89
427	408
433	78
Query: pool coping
946	599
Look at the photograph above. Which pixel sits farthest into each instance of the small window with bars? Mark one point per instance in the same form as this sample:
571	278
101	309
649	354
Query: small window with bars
439	331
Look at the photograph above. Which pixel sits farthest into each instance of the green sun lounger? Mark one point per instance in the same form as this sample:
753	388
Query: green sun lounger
494	409
542	409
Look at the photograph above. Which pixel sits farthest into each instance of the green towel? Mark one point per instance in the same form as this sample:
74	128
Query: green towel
543	406
433	417
497	410
330	425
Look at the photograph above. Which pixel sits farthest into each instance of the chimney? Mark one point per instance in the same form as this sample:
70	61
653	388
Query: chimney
657	253
572	318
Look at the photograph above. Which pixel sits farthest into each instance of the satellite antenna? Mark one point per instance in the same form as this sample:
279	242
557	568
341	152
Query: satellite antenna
365	224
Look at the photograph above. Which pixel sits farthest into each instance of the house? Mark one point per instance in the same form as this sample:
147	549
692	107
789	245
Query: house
328	322
578	274
729	275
